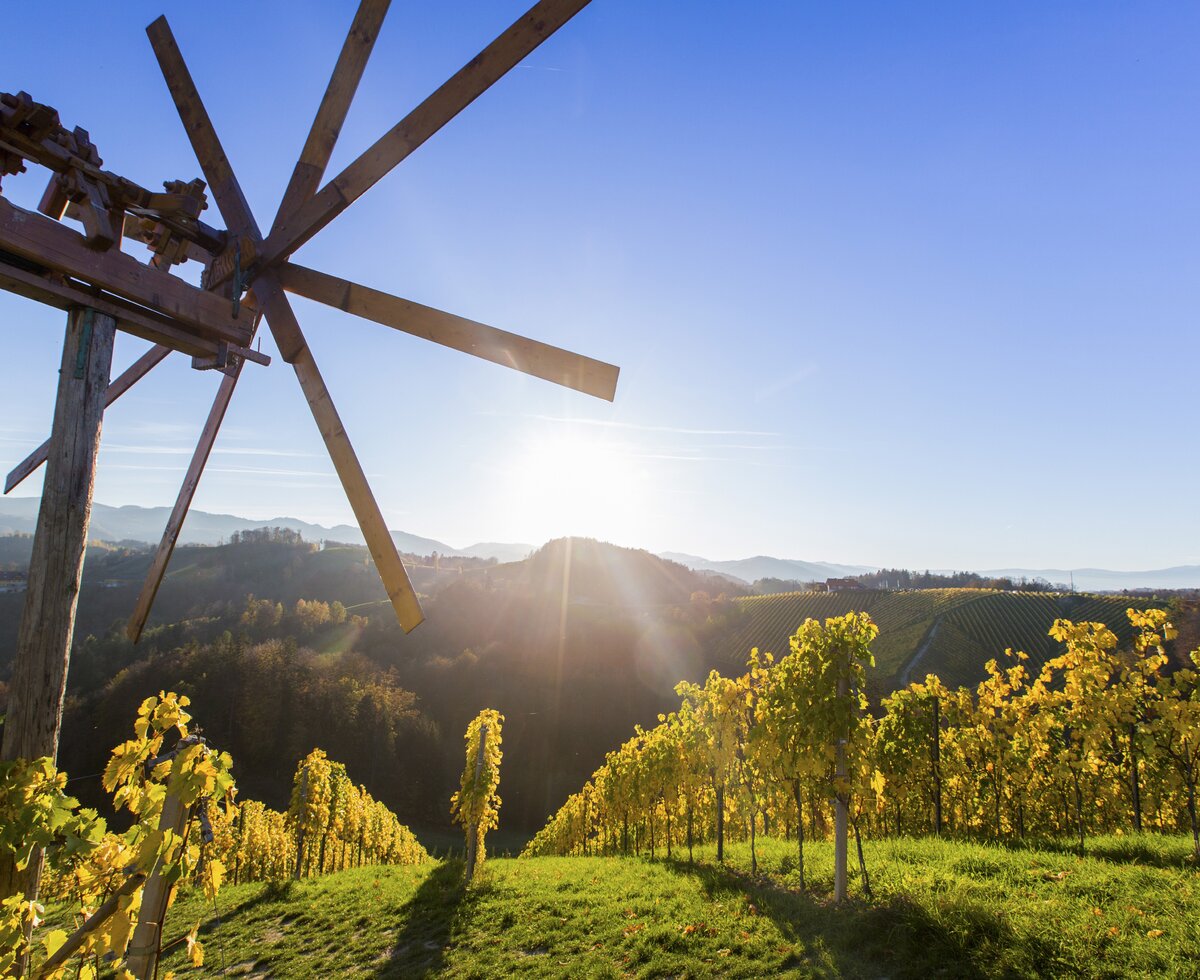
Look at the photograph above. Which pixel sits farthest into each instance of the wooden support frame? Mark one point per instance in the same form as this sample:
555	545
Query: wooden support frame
46	243
136	320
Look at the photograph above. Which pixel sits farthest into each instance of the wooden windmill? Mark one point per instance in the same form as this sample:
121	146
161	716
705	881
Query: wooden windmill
247	277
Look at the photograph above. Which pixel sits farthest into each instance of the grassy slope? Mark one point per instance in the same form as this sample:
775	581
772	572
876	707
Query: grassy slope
940	909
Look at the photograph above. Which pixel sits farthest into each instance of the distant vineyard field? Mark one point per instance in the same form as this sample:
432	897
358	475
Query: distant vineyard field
948	632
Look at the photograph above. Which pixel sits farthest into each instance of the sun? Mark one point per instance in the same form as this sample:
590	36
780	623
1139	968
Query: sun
574	484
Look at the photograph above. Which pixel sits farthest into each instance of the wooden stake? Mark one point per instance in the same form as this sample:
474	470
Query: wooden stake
94	921
841	814
473	832
166	547
39	681
142	957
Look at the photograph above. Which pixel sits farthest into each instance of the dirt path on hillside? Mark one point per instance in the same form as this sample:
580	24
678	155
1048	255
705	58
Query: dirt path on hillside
915	662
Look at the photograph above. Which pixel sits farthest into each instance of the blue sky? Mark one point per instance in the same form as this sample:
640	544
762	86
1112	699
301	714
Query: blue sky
889	284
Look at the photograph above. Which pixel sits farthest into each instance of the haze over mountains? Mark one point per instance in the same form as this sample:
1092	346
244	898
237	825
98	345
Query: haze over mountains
132	523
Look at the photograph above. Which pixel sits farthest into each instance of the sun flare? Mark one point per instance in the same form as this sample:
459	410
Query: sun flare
575	485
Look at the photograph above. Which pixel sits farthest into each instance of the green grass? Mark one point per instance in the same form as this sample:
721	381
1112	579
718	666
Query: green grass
1129	908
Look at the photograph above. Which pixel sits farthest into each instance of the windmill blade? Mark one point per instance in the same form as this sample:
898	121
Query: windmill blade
166	547
127	379
327	124
271	299
218	172
553	364
287	333
471	81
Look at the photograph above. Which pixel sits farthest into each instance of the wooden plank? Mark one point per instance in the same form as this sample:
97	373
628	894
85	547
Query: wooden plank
327	124
471	81
135	320
142	956
166	546
498	346
126	380
271	299
39	679
47	243
218	172
286	331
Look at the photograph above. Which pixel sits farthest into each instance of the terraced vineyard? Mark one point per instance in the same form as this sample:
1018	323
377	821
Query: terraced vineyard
949	632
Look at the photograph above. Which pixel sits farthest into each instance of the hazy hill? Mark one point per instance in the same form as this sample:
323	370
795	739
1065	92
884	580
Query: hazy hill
588	571
764	566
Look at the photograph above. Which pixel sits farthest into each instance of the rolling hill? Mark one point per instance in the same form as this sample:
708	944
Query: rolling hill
948	632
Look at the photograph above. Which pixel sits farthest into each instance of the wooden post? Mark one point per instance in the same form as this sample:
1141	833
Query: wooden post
94	921
39	681
937	767
473	831
841	808
142	956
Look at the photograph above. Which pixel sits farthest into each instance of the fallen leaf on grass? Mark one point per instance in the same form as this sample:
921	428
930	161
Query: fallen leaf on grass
1096	912
724	952
1114	931
637	927
1155	933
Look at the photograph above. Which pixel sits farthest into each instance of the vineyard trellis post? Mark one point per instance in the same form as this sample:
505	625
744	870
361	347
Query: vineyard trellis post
142	957
94	921
841	804
473	834
936	765
298	871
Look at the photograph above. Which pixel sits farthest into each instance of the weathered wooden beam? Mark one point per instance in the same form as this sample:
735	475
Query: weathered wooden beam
47	243
498	346
39	680
327	125
288	335
166	546
124	381
284	327
135	320
59	958
471	81
141	959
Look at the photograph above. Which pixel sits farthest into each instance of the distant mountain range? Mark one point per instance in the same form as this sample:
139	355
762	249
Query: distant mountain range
132	523
763	566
